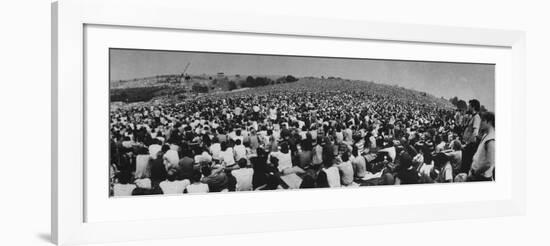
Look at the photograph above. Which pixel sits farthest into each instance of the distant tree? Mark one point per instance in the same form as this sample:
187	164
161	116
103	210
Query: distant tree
290	78
261	81
231	85
199	88
250	82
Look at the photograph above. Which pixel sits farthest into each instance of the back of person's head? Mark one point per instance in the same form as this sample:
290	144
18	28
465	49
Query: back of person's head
274	161
489	117
474	103
457	145
238	132
171	175
238	142
345	156
206	170
242	163
143	151
322	180
165	148
223	146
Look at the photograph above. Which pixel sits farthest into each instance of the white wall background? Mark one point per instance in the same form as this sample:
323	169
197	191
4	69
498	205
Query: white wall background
25	122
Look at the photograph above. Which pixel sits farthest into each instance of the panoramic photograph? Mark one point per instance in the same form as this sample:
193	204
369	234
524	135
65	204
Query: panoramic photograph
185	122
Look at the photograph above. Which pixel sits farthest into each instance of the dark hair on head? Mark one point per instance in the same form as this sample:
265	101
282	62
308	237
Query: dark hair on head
242	163
165	148
157	141
206	170
475	104
171	175
354	150
274	160
322	180
238	132
457	145
489	117
269	132
142	151
215	140
284	148
345	156
223	146
238	142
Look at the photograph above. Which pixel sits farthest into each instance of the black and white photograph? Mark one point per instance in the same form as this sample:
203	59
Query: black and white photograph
183	122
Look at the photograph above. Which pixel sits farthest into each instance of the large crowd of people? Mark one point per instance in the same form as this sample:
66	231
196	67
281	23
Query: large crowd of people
296	139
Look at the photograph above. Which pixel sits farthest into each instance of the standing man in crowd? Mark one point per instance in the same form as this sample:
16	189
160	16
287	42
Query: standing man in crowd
471	134
483	162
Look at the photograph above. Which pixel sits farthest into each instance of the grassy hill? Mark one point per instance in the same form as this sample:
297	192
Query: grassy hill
164	92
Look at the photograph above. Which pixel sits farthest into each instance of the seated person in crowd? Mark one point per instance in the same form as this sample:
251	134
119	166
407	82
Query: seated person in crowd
173	186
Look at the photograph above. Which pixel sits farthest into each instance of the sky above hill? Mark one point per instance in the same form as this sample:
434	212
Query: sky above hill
464	80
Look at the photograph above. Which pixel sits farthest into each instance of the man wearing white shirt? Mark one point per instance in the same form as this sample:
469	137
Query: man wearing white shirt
173	186
240	150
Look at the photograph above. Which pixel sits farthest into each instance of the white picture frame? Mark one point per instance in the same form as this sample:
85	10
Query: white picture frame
71	98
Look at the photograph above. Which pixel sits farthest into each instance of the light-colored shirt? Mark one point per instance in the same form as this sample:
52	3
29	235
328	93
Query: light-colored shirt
174	187
472	129
484	158
333	176
143	183
360	166
154	149
197	188
142	166
285	160
227	157
346	172
216	150
171	159
244	178
123	189
240	152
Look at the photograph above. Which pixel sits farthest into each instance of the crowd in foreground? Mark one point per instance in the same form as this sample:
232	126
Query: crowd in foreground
296	140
